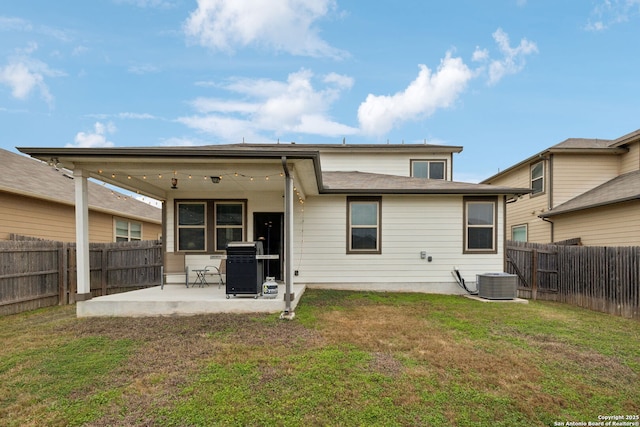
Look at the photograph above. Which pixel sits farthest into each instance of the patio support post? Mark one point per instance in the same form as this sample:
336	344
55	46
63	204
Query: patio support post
288	240
83	276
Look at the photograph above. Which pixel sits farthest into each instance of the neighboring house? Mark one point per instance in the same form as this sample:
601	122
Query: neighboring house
37	200
378	217
583	190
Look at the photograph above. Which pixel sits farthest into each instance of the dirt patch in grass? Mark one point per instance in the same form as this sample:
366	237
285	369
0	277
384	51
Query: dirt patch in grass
396	333
174	349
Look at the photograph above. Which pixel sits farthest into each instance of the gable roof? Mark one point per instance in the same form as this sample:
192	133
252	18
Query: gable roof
620	189
368	183
32	178
574	145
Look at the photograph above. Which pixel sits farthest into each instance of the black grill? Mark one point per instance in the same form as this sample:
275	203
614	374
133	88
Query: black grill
244	271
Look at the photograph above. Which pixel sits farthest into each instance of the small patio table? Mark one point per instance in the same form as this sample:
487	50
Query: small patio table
201	279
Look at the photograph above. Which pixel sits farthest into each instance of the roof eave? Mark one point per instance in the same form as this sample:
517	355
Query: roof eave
591	206
492	192
608	150
627	139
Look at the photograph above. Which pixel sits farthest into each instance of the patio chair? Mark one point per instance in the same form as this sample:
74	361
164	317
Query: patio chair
217	271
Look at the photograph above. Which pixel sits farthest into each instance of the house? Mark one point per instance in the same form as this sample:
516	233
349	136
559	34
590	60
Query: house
371	216
583	190
37	200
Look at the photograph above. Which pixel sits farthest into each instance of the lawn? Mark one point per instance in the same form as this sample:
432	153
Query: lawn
348	358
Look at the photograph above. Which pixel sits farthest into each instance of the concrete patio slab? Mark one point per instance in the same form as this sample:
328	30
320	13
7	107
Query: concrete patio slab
178	300
515	300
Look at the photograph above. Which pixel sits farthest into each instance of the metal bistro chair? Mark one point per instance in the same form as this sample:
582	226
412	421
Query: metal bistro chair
217	271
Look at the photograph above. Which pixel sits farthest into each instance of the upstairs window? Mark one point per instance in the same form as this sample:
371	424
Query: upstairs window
431	169
363	219
537	178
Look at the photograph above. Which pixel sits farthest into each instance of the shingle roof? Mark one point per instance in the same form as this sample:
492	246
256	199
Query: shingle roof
583	143
580	145
30	177
622	188
361	182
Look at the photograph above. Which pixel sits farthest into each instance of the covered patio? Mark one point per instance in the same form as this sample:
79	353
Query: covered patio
211	196
178	300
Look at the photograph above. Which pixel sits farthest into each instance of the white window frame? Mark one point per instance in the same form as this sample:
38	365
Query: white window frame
429	162
520	226
539	178
128	237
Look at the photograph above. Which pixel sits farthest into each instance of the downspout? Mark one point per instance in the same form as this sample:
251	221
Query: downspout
552	230
288	247
551	205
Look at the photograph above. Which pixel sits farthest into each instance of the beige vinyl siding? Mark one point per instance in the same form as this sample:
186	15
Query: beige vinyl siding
391	164
54	221
36	218
630	161
615	225
527	208
576	174
409	225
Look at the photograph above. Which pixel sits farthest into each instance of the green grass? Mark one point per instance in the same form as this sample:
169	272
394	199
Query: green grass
348	358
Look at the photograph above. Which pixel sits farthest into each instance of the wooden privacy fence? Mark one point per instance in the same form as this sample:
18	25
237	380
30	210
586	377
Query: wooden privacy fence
40	273
604	279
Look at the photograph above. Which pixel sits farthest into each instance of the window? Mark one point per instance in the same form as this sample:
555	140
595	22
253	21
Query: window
208	225
127	231
519	233
192	224
229	223
537	178
432	169
363	218
480	225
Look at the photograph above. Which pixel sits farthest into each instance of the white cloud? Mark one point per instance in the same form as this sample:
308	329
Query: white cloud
141	69
25	75
8	23
137	116
426	94
97	138
162	4
430	91
513	60
282	25
273	107
480	54
611	12
18	24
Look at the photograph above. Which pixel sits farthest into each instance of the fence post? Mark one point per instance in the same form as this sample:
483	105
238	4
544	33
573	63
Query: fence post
534	274
71	259
61	274
103	270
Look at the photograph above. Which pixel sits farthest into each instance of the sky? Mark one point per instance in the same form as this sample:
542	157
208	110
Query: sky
504	79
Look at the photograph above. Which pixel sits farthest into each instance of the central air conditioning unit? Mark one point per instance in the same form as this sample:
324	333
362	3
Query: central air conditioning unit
497	285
